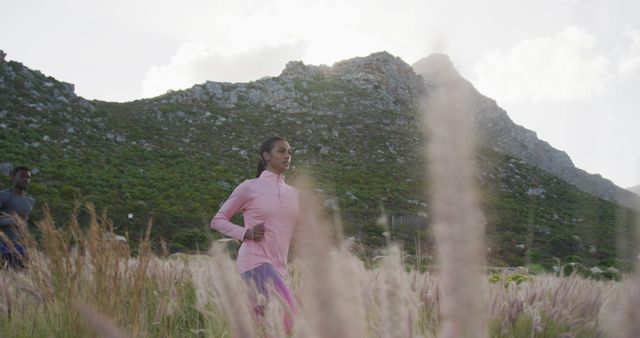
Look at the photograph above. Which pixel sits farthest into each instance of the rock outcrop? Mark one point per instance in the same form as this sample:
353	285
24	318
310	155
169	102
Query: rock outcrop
34	89
379	81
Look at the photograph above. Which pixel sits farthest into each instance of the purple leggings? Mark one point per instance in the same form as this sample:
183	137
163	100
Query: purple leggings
260	277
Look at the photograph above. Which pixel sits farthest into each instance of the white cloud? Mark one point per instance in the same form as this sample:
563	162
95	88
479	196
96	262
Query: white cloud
563	67
198	62
243	40
629	61
239	24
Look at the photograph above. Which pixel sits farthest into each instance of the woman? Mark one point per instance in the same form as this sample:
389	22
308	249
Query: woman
270	210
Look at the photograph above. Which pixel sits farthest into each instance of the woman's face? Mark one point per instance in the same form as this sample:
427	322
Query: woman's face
279	158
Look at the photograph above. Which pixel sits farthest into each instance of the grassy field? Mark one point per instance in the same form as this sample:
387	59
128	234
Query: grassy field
81	282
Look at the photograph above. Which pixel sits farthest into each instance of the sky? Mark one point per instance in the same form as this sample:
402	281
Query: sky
567	69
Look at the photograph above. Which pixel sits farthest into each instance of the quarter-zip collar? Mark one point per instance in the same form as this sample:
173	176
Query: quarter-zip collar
272	177
268	175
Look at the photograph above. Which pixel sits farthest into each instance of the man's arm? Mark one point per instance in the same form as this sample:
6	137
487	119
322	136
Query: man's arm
3	199
4	196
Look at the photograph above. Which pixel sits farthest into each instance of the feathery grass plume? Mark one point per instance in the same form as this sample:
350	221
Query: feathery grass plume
101	324
26	239
141	278
397	313
6	240
458	224
40	267
615	311
630	320
274	312
330	306
60	263
231	294
4	286
207	302
19	289
114	282
549	306
425	288
172	279
84	264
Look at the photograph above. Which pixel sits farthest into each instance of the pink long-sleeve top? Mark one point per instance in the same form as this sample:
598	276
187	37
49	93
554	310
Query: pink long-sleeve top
265	199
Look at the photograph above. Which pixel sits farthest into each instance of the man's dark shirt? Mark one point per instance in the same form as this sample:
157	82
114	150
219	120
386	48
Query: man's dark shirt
9	204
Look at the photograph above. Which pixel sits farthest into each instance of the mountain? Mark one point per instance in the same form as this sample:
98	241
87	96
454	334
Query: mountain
635	189
497	131
355	125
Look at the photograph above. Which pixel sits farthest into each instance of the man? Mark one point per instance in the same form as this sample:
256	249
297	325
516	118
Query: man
14	202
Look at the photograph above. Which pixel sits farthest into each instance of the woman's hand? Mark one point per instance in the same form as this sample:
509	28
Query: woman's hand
256	233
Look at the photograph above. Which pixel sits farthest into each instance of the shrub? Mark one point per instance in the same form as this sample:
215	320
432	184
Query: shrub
191	239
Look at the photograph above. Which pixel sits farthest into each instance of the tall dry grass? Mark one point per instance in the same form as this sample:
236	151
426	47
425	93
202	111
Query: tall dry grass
83	268
332	307
80	283
627	321
458	221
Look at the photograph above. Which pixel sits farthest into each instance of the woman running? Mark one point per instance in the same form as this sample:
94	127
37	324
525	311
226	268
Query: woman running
270	210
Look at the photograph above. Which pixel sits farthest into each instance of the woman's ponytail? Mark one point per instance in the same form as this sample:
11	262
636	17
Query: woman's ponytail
260	167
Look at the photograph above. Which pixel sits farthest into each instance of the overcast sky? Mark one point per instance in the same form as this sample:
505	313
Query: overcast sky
567	69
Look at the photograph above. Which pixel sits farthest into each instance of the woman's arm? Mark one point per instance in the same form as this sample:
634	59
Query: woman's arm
235	203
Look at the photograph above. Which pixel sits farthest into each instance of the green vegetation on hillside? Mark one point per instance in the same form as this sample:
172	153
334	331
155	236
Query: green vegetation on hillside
176	162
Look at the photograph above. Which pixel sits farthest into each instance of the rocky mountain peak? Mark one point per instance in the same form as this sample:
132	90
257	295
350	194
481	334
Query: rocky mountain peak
497	131
379	80
381	71
298	70
294	69
376	63
437	69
